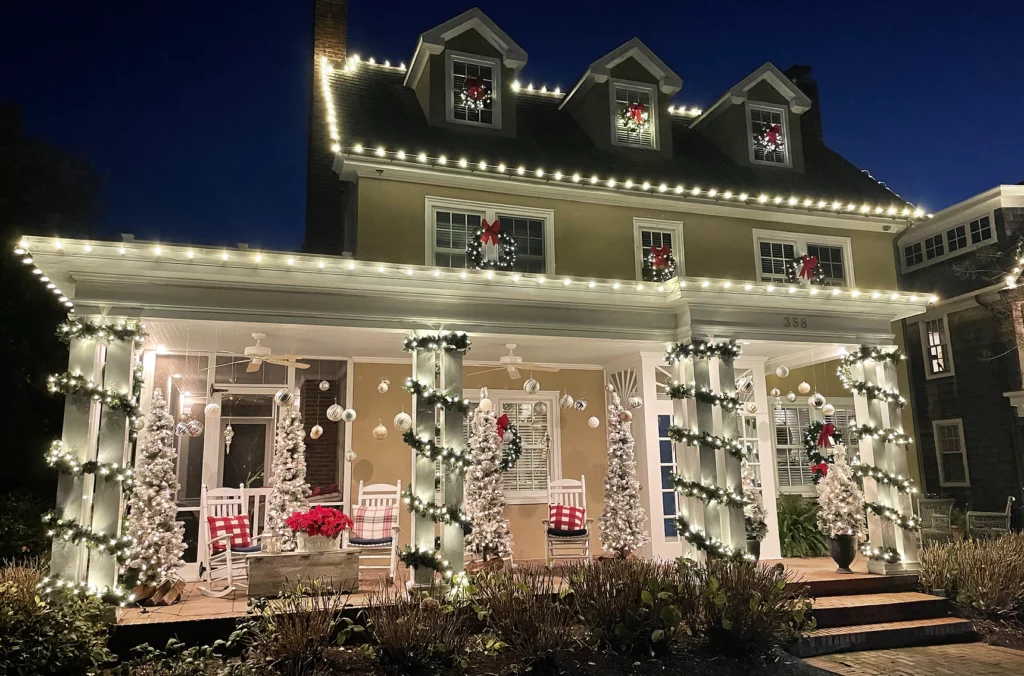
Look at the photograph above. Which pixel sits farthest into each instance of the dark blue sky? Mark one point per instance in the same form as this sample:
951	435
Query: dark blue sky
196	113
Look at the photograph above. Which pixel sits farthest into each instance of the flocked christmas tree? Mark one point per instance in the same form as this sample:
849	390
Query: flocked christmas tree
753	509
289	473
485	498
840	499
623	519
159	539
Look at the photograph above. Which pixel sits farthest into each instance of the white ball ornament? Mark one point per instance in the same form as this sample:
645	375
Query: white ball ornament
816	400
531	386
634	402
594	422
380	432
776	392
609	387
581	405
334	412
184	417
324	386
791	397
315	432
350	456
782	371
828	409
804	388
540	408
284	398
485	402
213	408
751	408
348	415
180	429
383	386
194	428
137	424
403	422
566	400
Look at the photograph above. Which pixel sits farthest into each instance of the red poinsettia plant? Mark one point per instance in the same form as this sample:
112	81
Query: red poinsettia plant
324	521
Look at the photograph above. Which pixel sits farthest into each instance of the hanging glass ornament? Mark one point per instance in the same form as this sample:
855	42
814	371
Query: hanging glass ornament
284	398
137	423
804	388
324	386
778	403
581	405
775	392
634	402
315	432
540	408
566	400
782	371
350	455
594	422
229	434
751	408
348	415
531	386
184	417
194	428
213	408
828	409
816	400
380	432
403	422
791	397
383	385
609	387
334	412
181	429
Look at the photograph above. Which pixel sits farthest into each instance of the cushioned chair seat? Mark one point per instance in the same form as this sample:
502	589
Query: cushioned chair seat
246	550
580	532
367	542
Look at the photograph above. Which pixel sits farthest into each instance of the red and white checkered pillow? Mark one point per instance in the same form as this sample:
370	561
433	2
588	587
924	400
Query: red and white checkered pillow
374	523
236	526
564	517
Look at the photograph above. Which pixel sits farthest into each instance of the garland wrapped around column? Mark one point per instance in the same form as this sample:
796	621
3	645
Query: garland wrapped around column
730	498
65	461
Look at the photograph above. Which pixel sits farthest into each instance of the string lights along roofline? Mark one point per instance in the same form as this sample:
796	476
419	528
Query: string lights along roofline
247	259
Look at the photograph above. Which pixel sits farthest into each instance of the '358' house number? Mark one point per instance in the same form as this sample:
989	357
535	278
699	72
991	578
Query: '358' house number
790	322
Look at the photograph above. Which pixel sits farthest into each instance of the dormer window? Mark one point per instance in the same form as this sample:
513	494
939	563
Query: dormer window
634	115
474	87
768	133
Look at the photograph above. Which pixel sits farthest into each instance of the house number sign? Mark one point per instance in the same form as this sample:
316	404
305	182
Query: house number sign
794	322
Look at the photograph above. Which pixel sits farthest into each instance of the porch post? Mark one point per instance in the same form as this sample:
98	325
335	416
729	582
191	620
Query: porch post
424	424
684	412
452	547
729	473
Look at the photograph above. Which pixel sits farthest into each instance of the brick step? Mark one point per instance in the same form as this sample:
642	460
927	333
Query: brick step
847	585
884	636
841	611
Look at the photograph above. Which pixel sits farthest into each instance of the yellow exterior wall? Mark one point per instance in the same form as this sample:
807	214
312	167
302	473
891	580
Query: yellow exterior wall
583	449
593	240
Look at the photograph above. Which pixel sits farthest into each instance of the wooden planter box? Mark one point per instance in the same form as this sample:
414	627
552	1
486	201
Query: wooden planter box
272	574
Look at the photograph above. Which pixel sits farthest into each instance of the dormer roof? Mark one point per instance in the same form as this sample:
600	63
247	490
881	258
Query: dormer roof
738	93
432	42
668	81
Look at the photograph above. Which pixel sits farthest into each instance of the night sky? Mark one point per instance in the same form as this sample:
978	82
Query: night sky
197	117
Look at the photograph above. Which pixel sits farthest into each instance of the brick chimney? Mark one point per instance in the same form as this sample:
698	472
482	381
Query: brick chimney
327	197
810	122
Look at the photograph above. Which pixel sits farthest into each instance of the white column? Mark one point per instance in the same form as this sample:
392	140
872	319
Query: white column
684	414
424	424
452	537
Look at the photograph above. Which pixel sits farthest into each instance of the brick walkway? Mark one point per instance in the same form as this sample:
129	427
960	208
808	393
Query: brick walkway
961	659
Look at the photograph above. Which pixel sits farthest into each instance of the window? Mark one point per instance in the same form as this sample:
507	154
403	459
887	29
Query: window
951	452
774	249
774	257
768	131
669	466
451	224
933	247
938	358
980	230
790	457
482	74
914	254
830	260
634	115
956	238
649	233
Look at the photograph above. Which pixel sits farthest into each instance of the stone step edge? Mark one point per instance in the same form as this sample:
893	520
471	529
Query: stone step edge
884	636
877	599
856	586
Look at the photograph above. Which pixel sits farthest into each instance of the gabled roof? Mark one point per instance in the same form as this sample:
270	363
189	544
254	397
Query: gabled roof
668	82
738	93
432	42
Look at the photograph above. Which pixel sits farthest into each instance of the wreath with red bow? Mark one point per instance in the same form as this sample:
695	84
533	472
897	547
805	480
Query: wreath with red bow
770	138
819	437
491	233
513	444
474	94
635	118
659	264
805	268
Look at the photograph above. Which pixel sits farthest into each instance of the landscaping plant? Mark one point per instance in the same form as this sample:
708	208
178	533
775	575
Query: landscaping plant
798	528
985	577
417	634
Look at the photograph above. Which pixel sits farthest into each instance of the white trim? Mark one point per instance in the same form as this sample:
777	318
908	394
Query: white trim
959	423
797	100
491	211
923	329
346	464
787	147
800	240
944	234
613	84
999	197
449	91
674	228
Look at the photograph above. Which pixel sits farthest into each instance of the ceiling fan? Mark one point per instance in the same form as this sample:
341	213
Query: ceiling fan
511	364
259	354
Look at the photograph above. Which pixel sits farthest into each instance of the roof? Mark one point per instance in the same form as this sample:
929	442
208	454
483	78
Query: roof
374	107
798	102
668	81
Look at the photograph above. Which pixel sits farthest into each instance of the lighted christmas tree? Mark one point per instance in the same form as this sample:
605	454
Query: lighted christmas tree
289	475
753	511
159	539
840	499
622	523
485	498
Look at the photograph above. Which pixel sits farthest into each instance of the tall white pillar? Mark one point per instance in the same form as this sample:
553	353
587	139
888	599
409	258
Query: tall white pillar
452	536
424	424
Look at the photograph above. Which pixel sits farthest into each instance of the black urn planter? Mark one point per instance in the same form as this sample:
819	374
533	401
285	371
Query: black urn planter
843	549
754	549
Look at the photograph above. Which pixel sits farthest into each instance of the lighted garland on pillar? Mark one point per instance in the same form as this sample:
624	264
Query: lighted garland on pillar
887	554
63	460
887	434
445	341
69	530
69	383
426	448
893	516
121	331
504	247
727	402
443	514
899	482
710	493
702	349
435	397
733	447
710	545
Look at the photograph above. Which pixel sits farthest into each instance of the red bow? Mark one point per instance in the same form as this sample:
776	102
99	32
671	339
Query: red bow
774	134
475	88
807	266
660	254
636	112
490	232
821	468
503	424
828	430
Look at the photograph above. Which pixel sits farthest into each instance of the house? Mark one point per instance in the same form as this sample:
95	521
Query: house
965	352
599	189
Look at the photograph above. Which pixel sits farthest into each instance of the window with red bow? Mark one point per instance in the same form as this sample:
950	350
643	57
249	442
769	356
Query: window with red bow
473	91
769	136
634	113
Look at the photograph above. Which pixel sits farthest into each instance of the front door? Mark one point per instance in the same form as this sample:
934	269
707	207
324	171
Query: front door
246	439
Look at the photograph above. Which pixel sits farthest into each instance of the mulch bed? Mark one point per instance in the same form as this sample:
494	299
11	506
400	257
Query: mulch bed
1003	633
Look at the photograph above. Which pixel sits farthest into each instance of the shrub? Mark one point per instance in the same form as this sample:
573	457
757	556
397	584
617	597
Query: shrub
633	606
986	577
417	634
937	569
61	634
175	659
525	611
22	532
798	528
748	609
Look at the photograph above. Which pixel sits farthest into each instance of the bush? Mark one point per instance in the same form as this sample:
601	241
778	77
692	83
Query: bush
175	659
22	533
633	606
417	634
985	577
526	612
61	634
798	528
748	609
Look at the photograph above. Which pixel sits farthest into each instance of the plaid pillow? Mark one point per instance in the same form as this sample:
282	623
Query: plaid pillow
236	526
564	517
373	523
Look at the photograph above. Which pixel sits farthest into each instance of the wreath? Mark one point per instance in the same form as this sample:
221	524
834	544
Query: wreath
659	264
474	94
490	233
770	138
816	440
634	118
513	443
805	268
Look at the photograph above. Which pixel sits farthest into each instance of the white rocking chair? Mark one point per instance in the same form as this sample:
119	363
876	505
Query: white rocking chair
571	493
227	564
378	495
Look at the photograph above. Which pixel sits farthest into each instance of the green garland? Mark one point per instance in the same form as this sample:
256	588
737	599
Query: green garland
702	349
811	447
121	331
445	341
865	353
887	554
436	398
443	514
455	460
64	461
75	533
888	434
893	516
75	383
432	559
870	390
711	546
118	595
710	493
736	449
513	449
727	402
899	482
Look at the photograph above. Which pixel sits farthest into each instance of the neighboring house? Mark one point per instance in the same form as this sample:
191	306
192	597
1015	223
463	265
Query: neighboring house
405	164
965	352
